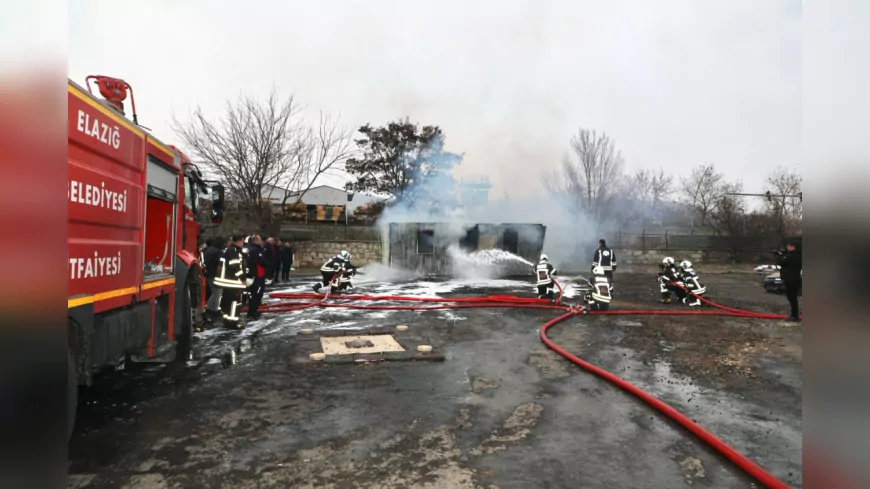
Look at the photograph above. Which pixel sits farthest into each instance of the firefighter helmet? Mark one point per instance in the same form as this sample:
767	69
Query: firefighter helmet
344	255
668	261
685	264
597	271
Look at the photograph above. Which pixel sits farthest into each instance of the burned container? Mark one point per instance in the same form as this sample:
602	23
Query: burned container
449	249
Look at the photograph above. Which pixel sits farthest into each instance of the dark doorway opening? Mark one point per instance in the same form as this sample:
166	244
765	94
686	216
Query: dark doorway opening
511	241
425	242
471	240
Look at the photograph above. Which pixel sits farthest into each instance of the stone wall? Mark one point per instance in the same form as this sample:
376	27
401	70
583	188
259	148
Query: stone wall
316	253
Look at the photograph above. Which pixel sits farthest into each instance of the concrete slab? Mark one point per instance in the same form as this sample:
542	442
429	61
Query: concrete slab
343	345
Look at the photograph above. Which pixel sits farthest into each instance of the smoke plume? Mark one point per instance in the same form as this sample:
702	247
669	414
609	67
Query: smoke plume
570	237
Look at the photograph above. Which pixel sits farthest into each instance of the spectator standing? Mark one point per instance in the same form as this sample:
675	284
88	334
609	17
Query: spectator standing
286	260
258	265
211	262
273	259
790	271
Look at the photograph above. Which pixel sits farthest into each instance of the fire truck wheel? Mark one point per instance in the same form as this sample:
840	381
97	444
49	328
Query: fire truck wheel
72	395
185	330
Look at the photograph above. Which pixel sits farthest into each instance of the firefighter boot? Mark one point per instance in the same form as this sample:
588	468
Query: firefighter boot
317	287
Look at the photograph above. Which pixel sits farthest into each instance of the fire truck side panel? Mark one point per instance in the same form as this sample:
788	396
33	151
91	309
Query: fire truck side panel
105	201
111	310
107	134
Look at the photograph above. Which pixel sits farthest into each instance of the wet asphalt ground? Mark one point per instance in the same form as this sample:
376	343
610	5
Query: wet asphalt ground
501	411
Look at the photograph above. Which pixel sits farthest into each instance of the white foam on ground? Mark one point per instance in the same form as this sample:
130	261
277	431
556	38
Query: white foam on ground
343	325
449	316
433	289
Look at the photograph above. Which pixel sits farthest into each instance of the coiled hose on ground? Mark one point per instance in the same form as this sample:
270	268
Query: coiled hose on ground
505	301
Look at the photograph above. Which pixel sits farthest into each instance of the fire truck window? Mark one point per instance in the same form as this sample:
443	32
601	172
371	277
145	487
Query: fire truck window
189	200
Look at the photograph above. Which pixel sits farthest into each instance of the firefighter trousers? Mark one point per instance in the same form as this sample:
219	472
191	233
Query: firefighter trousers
231	305
546	291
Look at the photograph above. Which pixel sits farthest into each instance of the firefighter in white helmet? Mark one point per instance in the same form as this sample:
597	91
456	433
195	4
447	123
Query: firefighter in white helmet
691	280
544	272
338	264
599	297
669	281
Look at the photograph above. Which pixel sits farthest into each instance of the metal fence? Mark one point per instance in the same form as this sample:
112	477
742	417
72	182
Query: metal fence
329	232
666	240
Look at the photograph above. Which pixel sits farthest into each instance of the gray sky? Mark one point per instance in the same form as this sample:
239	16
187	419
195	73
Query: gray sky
675	82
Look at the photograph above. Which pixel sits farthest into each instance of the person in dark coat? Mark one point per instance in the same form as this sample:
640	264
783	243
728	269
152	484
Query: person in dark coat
286	260
258	265
791	273
211	262
273	257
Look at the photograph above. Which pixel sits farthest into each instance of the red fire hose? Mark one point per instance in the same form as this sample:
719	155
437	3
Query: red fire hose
502	301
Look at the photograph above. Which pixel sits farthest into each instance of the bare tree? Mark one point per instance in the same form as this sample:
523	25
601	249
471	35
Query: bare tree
702	190
323	151
589	182
261	144
787	212
727	215
646	190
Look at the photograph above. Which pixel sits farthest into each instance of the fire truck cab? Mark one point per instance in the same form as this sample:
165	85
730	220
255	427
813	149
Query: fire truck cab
135	287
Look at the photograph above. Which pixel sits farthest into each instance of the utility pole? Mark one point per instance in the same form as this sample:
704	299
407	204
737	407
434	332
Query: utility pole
780	207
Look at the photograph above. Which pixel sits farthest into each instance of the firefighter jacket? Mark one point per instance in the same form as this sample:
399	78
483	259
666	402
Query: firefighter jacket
668	274
544	273
335	264
605	259
257	264
690	278
600	288
231	273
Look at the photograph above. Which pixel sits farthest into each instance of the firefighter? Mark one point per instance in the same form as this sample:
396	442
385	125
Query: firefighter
344	279
258	266
693	285
211	263
669	281
598	298
332	267
606	259
231	278
544	273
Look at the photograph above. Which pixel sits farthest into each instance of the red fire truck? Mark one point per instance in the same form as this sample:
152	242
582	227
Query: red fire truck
134	279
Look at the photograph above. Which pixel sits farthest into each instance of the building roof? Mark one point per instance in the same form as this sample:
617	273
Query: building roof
329	195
